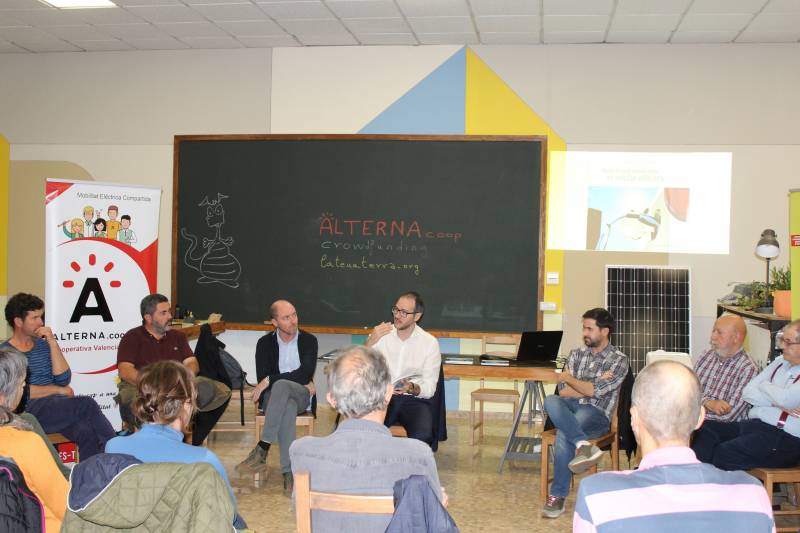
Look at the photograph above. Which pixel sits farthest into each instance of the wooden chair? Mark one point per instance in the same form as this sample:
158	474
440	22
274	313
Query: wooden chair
549	439
398	431
67	449
241	397
306	500
769	476
303	420
483	394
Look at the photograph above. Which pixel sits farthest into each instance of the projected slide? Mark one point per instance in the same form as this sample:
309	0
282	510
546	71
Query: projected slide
640	202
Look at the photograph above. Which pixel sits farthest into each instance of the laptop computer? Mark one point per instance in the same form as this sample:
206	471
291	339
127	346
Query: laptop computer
536	348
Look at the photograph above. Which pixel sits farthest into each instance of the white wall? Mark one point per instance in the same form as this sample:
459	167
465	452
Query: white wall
115	113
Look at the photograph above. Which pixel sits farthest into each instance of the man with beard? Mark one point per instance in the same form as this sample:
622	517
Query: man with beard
414	360
285	362
588	388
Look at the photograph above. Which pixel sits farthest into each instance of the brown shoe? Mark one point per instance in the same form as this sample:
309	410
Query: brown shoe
255	463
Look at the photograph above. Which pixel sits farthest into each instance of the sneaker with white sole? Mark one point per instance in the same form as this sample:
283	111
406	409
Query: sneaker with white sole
553	507
586	456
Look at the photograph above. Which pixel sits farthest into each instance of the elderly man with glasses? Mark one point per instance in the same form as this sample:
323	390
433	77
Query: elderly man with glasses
414	359
770	438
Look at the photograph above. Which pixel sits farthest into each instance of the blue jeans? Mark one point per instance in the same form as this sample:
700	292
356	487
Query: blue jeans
575	422
78	418
414	414
745	444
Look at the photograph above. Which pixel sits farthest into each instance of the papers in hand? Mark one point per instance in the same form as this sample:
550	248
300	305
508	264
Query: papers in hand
414	374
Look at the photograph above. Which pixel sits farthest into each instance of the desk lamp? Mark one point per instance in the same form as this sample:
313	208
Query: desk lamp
768	248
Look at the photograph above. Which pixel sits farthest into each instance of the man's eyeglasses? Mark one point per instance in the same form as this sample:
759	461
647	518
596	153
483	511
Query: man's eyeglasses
781	338
402	313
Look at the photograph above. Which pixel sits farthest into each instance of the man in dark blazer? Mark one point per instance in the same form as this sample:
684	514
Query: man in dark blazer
285	362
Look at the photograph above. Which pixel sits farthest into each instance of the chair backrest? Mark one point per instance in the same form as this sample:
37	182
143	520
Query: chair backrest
678	357
307	500
508	344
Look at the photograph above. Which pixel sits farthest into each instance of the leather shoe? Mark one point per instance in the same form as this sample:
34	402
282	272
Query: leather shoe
288	484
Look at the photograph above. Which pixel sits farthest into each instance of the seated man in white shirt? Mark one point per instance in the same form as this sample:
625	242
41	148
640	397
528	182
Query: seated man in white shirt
414	361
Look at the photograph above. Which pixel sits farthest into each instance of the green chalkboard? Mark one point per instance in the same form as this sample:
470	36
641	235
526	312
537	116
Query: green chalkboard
342	224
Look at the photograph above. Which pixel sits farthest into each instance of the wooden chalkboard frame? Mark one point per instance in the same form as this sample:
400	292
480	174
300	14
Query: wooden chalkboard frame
265	326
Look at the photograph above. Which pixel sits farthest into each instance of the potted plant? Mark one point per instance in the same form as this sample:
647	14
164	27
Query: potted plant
781	283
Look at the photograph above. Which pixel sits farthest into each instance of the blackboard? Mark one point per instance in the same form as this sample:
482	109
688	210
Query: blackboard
342	224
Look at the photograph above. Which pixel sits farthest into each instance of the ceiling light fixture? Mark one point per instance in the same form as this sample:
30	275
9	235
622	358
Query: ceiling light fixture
79	4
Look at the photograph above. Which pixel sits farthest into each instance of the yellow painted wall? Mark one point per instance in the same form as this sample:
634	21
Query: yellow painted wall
493	108
5	152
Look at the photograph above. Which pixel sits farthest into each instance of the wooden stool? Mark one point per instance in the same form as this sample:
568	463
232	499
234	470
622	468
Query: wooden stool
769	476
490	395
480	395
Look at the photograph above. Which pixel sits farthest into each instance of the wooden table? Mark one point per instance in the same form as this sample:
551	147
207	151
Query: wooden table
520	448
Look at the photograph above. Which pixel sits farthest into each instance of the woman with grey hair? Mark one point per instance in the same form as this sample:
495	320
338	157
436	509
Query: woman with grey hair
25	447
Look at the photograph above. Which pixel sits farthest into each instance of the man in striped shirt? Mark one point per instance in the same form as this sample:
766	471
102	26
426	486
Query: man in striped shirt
52	400
770	438
588	389
724	370
671	490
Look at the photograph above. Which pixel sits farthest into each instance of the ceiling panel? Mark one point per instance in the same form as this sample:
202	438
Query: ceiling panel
645	23
505	7
578	7
83	32
164	43
295	10
142	30
23	4
353	9
268	42
252	28
447	38
10	48
506	24
726	6
314	27
575	23
624	36
212	42
782	6
789	21
165	14
439	8
510	38
652	7
441	24
395	39
192	29
703	36
111	45
231	12
327	40
769	37
573	37
714	21
377	25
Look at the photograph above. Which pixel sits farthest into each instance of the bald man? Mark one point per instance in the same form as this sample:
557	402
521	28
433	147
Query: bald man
671	490
724	370
285	362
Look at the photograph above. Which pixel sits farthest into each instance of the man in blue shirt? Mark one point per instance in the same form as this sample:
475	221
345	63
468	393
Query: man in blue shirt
285	362
771	436
53	402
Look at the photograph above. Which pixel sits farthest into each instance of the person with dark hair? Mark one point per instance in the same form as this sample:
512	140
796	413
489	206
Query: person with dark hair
166	398
588	388
285	363
671	490
52	400
152	342
361	455
27	449
414	360
100	228
126	234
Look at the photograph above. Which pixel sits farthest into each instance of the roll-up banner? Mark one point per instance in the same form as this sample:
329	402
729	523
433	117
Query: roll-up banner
101	260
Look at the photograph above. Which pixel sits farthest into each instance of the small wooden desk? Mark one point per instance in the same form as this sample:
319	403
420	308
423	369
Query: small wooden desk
520	448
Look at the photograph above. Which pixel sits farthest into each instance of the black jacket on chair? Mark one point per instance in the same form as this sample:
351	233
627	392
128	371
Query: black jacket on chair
267	357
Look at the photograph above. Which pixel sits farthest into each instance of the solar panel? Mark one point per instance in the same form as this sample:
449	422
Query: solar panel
652	307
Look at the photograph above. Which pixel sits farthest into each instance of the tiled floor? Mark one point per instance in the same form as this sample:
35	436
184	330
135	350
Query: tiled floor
480	498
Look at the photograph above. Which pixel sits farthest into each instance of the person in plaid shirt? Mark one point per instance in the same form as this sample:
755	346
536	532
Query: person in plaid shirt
724	370
588	389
